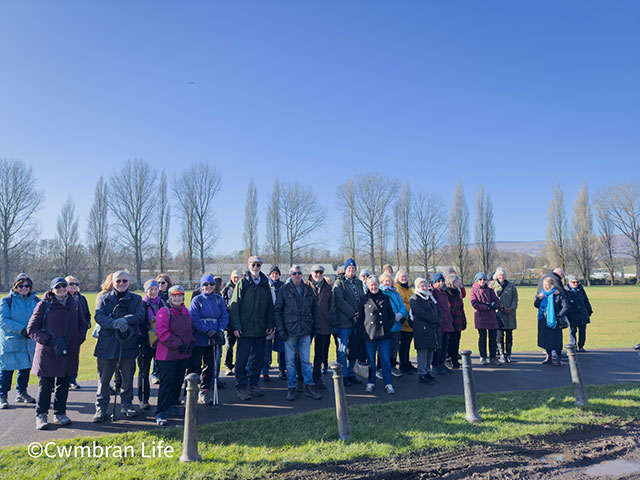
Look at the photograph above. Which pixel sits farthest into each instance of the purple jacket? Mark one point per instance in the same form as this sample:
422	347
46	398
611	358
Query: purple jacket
484	317
443	302
172	330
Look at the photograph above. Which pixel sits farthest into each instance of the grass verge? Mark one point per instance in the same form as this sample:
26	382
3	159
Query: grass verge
252	448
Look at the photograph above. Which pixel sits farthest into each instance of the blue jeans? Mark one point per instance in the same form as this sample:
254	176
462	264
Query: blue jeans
303	346
382	346
343	341
6	377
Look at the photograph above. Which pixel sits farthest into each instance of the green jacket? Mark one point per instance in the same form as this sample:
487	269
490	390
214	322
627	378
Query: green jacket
251	307
344	302
508	299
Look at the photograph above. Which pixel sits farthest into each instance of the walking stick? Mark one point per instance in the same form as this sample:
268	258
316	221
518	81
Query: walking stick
216	402
121	340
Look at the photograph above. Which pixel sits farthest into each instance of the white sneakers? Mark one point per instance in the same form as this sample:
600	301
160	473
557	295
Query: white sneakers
389	389
369	388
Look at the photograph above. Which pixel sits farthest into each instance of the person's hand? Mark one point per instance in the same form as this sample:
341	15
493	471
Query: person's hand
218	338
269	331
191	347
211	333
237	333
183	347
540	295
398	317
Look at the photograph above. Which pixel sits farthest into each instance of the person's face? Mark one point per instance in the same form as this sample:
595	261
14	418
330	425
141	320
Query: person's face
208	287
235	279
121	284
501	277
317	275
424	286
23	287
60	289
152	292
388	282
574	283
548	286
177	300
482	282
296	277
364	278
374	287
73	287
254	268
388	270
403	278
164	285
439	283
350	271
274	276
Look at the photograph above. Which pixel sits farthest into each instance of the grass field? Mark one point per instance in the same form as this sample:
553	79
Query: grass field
615	323
252	448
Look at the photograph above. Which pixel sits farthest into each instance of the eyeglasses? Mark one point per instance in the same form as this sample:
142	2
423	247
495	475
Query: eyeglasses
74	284
318	272
162	282
480	280
295	273
208	284
256	264
574	281
122	281
23	285
60	285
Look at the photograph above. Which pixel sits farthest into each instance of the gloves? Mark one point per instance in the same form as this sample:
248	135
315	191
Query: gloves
398	317
121	324
183	347
211	333
191	347
23	332
218	338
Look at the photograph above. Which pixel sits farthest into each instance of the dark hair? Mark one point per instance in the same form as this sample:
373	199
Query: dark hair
165	277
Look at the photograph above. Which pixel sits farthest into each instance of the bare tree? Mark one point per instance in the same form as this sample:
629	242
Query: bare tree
402	213
346	201
19	200
300	215
557	231
132	202
97	228
459	231
485	231
373	193
274	233
67	238
185	207
164	220
427	225
621	204
381	240
583	244
251	220
606	246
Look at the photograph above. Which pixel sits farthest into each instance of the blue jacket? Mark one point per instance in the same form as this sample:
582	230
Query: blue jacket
208	312
108	308
16	352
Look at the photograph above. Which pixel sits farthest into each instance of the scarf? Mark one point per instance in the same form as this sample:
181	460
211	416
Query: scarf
394	296
155	304
547	306
404	285
427	295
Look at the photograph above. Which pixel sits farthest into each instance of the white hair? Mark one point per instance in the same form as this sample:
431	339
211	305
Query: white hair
498	271
373	279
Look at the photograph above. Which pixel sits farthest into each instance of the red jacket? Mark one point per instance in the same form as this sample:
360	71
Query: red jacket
483	316
443	302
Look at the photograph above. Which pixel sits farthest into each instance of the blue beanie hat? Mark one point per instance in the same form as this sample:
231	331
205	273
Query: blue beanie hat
478	276
150	283
350	263
437	276
206	278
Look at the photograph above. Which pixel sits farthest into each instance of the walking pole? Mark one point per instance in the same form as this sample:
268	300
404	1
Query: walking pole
115	402
216	403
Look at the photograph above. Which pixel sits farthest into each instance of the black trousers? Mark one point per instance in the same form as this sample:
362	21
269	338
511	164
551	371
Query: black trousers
441	354
200	356
482	342
171	373
505	342
320	354
230	342
249	347
145	355
581	330
45	388
405	349
454	347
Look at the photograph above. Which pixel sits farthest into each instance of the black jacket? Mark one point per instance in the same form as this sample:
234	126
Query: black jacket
425	318
108	308
376	315
296	315
579	306
227	293
347	294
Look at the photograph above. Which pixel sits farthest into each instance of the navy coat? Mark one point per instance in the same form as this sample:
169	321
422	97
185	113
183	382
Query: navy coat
425	318
579	306
108	308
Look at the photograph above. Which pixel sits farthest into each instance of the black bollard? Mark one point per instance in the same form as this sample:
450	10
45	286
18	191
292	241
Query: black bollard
344	429
576	378
190	439
470	401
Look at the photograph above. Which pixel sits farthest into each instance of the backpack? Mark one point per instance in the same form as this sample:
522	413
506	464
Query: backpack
151	332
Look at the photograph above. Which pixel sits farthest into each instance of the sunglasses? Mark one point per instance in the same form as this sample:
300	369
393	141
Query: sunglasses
295	273
60	285
162	282
122	281
256	264
23	285
208	284
74	284
319	272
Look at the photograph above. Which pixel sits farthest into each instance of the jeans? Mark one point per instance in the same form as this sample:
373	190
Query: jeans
145	356
425	357
505	342
454	347
405	349
171	373
301	345
343	341
382	346
581	330
320	353
6	377
106	369
249	347
45	387
482	342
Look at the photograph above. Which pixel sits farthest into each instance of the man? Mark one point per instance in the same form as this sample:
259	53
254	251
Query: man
322	290
118	313
347	292
558	279
230	339
74	289
271	342
251	320
296	314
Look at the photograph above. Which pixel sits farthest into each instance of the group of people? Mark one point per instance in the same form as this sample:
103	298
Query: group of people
373	320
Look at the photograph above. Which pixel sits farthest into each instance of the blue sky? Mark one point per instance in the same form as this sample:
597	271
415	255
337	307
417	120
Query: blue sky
513	96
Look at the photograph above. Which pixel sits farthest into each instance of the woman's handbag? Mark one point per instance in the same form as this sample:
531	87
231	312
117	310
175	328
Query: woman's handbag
563	322
362	369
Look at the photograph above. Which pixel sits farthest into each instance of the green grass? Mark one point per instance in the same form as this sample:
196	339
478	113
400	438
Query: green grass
253	448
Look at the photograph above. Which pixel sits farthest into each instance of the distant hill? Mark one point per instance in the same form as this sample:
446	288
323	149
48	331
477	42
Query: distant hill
537	247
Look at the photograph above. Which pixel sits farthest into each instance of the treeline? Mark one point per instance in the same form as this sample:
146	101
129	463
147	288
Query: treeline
384	222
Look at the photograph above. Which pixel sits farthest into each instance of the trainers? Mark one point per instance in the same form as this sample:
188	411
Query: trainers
324	370
62	420
155	380
255	391
291	394
427	379
229	372
484	361
395	371
99	417
502	359
161	419
204	397
128	411
25	398
379	374
389	389
369	388
243	394
41	422
3	402
310	392
74	386
581	350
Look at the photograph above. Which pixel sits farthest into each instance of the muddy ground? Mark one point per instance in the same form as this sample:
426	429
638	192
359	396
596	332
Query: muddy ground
572	455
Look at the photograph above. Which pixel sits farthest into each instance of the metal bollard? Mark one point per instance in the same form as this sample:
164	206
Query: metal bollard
344	429
190	440
637	348
470	401
576	378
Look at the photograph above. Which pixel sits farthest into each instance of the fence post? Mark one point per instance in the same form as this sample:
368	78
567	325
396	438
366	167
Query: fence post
470	401
576	378
344	429
637	348
190	439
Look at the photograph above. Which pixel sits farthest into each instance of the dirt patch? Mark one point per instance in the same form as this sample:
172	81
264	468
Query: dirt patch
566	456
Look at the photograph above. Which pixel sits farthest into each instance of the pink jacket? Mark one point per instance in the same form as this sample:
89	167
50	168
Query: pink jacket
172	331
483	316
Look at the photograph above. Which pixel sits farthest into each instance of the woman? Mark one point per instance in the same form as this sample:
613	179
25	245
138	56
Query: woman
425	318
16	348
59	326
446	326
406	334
148	339
375	320
580	312
552	305
456	306
175	344
209	320
485	303
401	312
165	284
74	289
508	296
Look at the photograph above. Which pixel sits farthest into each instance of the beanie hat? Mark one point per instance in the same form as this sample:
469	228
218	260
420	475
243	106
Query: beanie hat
22	277
275	269
207	278
150	283
350	263
176	290
478	276
419	281
437	276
